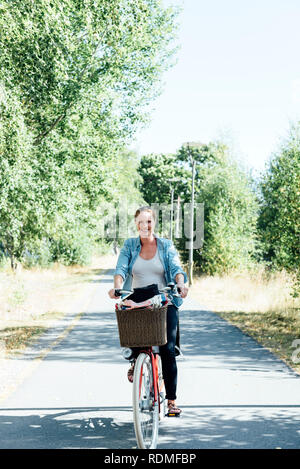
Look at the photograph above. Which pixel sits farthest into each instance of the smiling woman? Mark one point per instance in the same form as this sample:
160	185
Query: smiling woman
148	268
148	260
145	219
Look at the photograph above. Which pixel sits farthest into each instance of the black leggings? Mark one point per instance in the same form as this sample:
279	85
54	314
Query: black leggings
167	353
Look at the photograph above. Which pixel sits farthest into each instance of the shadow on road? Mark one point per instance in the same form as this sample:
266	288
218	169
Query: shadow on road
232	427
211	339
86	427
201	427
94	339
208	343
206	340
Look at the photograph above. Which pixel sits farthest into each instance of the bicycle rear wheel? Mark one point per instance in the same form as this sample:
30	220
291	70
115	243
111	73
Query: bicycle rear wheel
145	410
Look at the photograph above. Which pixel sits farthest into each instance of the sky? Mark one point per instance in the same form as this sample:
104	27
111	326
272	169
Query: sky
237	78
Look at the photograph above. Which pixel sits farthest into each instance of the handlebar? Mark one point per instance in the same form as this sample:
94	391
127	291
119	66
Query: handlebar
171	287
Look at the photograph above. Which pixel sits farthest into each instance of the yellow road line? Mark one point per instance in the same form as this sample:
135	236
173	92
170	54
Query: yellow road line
37	360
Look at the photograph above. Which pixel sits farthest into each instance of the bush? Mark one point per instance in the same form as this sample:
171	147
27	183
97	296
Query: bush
73	248
103	247
37	253
230	214
279	220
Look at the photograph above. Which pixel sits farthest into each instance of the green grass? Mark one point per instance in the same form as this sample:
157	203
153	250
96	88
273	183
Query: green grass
17	338
31	299
260	303
276	331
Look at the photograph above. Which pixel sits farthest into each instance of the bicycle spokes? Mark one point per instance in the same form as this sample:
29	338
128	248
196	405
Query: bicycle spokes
145	406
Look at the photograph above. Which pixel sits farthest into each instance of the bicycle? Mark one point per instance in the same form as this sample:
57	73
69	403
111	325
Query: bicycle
148	393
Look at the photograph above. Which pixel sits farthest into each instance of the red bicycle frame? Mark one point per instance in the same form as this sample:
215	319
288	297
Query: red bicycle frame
154	365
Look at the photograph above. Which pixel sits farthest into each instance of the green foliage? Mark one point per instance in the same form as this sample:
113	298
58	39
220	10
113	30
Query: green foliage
230	206
279	220
74	247
230	215
102	247
37	252
230	210
76	78
20	209
66	52
160	172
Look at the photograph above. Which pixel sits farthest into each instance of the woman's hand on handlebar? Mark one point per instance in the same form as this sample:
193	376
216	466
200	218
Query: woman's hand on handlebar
182	290
111	294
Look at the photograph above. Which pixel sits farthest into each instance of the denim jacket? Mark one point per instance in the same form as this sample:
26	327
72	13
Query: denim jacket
168	256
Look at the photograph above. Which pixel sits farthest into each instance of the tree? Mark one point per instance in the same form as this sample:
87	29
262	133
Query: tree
108	54
230	209
230	215
230	206
20	210
279	220
81	73
158	173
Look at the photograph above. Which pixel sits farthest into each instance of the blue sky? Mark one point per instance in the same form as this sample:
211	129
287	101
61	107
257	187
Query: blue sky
237	77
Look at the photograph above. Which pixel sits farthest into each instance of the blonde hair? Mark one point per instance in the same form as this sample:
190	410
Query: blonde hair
146	208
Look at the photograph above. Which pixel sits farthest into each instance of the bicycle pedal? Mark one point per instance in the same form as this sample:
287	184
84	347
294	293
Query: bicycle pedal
172	414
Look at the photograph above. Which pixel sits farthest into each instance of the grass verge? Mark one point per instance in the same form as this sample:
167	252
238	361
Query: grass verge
275	331
31	300
259	304
16	338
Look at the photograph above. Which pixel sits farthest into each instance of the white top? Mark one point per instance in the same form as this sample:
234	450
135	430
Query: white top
148	271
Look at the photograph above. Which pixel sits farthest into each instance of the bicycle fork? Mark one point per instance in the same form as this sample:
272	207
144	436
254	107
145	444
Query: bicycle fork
158	387
155	378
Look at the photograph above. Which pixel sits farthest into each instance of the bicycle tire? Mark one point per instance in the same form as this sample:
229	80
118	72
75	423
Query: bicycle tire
145	411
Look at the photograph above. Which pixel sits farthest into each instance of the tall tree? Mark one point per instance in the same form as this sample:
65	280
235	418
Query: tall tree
160	172
82	73
105	52
279	220
230	206
21	212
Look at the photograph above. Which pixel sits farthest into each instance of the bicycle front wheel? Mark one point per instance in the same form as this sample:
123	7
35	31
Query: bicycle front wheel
145	410
161	391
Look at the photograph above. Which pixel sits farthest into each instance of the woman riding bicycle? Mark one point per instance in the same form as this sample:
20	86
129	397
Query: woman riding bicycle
147	260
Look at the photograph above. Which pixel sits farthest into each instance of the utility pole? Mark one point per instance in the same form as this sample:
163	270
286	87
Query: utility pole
172	214
177	218
191	222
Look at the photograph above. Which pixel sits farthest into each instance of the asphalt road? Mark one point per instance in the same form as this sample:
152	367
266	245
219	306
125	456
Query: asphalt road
75	394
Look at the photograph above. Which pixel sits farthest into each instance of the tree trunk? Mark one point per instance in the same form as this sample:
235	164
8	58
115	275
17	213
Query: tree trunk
13	262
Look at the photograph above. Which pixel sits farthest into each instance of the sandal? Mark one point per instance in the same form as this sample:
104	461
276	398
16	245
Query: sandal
173	410
130	373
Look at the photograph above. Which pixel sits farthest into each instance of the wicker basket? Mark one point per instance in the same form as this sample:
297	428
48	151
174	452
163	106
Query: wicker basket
142	327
